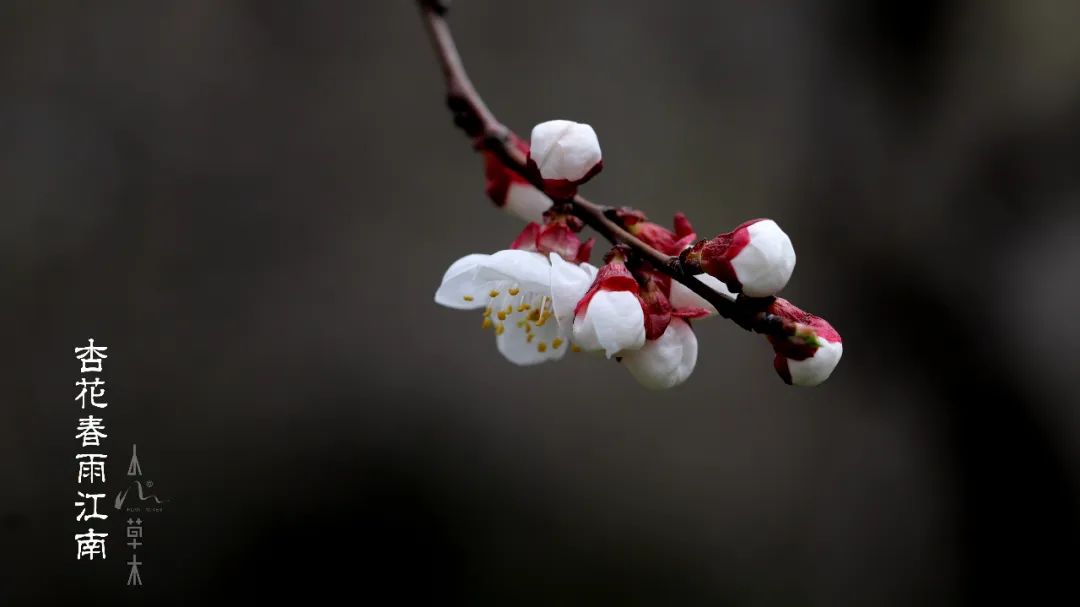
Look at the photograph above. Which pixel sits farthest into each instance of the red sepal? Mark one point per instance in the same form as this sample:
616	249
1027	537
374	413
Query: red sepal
794	347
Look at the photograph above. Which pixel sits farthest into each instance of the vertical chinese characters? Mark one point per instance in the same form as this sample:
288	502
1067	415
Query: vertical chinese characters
134	533
90	468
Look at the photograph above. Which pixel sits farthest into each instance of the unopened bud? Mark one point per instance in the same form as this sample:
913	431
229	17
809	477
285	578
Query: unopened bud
565	154
807	357
755	258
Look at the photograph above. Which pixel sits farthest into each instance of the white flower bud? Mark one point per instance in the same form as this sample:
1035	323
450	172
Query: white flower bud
815	369
563	150
667	361
765	264
755	258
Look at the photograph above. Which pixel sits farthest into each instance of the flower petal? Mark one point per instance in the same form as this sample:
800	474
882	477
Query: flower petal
683	297
765	264
667	361
460	288
527	202
817	368
569	282
548	342
613	322
530	271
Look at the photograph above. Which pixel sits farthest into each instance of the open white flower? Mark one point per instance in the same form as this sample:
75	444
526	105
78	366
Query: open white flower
514	289
667	361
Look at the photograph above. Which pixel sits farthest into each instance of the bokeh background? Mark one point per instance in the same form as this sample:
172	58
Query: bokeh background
252	203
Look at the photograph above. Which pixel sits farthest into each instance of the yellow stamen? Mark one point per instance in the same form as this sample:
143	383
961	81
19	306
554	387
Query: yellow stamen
541	347
575	348
523	307
468	297
487	323
555	343
534	315
514	291
530	337
493	293
499	328
502	314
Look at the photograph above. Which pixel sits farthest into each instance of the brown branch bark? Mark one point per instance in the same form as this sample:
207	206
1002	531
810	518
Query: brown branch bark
472	115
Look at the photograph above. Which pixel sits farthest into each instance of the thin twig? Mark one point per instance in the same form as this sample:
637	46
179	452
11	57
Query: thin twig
472	115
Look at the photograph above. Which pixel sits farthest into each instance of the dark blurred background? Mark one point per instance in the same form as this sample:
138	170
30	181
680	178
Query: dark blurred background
252	203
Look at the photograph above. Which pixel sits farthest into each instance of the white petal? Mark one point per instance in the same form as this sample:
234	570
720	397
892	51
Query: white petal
515	345
460	282
683	297
563	149
667	361
765	265
569	283
613	322
816	369
529	270
591	270
527	202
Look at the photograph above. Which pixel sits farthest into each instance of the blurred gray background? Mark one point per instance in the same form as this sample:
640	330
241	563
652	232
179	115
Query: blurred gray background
252	203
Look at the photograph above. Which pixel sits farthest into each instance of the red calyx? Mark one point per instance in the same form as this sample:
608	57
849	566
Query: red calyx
612	276
526	240
561	189
655	235
658	312
558	235
780	364
713	256
793	347
498	177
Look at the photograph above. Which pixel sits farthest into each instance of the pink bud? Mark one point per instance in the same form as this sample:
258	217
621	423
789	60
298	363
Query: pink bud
808	357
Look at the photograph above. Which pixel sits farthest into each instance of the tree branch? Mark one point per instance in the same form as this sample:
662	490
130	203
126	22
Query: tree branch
472	115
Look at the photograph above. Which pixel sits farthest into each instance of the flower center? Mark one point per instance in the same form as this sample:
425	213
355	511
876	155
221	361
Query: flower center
516	310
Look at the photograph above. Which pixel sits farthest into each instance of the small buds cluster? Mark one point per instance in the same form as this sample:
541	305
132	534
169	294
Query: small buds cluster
542	297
